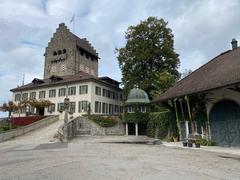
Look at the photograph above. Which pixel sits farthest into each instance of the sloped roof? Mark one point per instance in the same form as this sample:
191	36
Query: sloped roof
221	71
80	77
85	44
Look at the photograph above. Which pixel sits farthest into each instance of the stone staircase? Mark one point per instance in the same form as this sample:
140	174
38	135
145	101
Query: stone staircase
84	126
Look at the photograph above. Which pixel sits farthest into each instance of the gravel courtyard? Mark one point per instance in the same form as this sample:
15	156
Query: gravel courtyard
92	158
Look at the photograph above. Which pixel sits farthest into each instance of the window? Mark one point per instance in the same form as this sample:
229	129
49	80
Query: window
41	94
72	107
121	97
53	69
63	67
110	109
52	93
82	106
59	52
18	97
130	109
104	108
32	95
51	108
23	110
60	106
71	91
62	92
87	70
83	89
64	51
25	96
116	109
54	53
104	92
143	108
98	91
108	93
97	107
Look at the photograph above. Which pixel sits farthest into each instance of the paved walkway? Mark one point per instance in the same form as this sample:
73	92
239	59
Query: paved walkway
218	149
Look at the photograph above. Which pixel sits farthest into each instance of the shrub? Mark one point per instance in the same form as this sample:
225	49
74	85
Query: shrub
205	142
136	117
103	121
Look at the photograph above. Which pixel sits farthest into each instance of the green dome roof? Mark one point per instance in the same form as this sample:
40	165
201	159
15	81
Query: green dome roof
137	95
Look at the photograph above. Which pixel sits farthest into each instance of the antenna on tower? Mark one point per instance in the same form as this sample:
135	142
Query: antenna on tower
73	21
23	79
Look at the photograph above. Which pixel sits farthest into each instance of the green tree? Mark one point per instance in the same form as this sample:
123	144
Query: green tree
148	59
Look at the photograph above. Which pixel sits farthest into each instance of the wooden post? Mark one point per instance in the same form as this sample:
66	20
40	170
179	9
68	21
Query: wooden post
177	119
184	119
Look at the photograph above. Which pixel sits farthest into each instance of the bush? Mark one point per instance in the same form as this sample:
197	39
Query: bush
136	117
103	121
205	142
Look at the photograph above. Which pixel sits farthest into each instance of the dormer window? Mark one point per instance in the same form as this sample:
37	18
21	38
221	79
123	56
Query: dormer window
37	81
55	78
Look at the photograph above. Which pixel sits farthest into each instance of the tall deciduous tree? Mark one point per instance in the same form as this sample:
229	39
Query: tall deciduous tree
148	59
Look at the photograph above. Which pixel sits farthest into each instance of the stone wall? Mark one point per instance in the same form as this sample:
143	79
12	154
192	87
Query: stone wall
86	125
25	129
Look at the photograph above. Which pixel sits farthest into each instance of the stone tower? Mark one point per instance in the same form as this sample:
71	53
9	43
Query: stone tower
68	54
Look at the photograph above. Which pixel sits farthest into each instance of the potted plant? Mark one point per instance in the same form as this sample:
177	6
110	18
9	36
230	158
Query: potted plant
185	143
189	144
198	143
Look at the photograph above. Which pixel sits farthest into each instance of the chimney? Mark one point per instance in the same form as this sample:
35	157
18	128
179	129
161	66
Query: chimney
234	44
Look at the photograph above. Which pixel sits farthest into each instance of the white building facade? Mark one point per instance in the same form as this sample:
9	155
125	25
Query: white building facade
78	80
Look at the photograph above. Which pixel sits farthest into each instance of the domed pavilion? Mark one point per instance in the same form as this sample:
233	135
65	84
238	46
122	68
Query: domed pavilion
135	108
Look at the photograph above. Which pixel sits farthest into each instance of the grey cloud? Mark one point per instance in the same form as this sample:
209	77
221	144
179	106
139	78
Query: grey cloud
202	29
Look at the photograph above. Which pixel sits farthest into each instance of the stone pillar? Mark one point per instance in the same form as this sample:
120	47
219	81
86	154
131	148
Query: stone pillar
187	128
126	129
136	129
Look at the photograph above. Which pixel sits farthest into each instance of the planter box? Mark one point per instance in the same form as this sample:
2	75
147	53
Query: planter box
189	144
197	145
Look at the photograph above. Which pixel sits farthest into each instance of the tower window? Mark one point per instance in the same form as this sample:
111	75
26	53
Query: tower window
64	51
59	52
54	53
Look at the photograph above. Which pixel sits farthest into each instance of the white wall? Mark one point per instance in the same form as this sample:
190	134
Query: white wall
90	97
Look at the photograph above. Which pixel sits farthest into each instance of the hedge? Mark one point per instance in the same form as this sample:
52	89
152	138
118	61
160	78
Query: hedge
159	123
136	117
103	121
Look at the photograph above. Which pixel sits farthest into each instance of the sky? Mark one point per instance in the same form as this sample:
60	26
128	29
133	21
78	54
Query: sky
202	29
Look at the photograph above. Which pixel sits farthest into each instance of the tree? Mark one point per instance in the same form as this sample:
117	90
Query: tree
148	59
9	107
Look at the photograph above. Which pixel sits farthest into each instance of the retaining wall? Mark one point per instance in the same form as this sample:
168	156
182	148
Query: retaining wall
25	129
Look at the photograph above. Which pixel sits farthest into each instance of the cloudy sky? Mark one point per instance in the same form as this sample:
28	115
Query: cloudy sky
202	30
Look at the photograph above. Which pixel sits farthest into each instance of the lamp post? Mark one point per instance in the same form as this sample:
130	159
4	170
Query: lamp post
66	110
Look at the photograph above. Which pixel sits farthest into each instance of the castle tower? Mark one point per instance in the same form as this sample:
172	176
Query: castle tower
68	54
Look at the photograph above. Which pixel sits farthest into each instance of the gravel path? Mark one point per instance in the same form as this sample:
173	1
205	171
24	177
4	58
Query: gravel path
88	158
